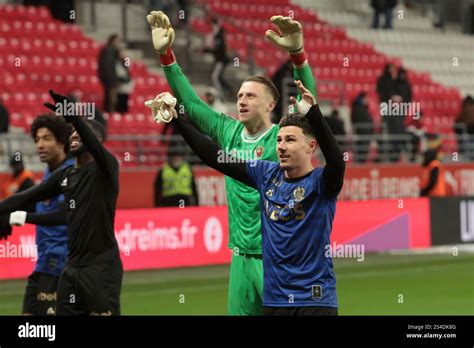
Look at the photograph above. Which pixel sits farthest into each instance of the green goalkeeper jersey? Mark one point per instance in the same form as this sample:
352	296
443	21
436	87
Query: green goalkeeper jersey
243	202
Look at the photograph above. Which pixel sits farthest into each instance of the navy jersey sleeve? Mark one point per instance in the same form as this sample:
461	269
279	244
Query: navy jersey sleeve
46	190
257	169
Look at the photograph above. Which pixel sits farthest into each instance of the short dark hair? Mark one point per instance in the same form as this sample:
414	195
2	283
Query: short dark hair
267	83
298	120
111	38
98	128
60	128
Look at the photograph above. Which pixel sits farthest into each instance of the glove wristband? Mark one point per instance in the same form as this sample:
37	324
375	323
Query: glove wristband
167	58
298	58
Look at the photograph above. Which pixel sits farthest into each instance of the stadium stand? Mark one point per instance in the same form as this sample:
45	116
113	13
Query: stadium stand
329	46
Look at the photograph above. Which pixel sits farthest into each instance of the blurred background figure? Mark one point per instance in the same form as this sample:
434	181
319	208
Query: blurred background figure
215	43
4	119
417	131
387	83
464	128
395	126
403	86
337	127
363	127
433	179
174	184
20	180
385	8
213	99
109	56
125	82
284	72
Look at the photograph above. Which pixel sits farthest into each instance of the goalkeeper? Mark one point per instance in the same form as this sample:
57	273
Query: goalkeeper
252	137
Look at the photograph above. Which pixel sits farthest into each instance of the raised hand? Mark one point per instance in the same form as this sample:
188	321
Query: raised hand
307	99
290	35
161	31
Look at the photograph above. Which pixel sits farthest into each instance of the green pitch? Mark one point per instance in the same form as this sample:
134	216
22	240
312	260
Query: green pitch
380	285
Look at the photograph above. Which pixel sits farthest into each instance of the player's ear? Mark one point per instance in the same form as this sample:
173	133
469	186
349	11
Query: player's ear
312	145
271	105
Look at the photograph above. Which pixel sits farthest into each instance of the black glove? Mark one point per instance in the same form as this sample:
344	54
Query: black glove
58	98
5	228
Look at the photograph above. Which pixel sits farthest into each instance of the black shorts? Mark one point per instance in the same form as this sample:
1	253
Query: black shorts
316	311
40	294
90	290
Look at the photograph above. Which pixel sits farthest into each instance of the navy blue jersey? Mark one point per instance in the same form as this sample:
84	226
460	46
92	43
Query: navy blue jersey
297	220
52	241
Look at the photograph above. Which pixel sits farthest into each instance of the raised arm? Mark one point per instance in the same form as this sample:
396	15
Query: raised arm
104	159
211	153
289	38
333	173
45	190
209	121
54	218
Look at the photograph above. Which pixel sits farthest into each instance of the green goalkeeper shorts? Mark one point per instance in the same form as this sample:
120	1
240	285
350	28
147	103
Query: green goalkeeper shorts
245	285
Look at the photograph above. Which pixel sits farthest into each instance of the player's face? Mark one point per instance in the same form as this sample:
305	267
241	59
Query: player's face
76	147
294	148
253	102
47	146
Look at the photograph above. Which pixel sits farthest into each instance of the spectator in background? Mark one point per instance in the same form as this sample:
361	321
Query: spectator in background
403	86
395	125
216	44
385	8
213	99
387	83
4	119
20	180
108	57
433	180
174	184
337	127
283	72
464	128
363	127
417	133
125	86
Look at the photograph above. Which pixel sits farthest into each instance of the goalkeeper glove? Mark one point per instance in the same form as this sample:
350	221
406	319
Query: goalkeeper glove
162	107
163	36
290	36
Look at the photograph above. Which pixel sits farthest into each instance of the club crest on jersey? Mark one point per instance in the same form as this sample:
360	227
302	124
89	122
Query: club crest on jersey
259	151
269	193
298	194
64	183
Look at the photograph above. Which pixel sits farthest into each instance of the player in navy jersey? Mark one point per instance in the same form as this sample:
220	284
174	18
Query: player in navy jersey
298	205
51	137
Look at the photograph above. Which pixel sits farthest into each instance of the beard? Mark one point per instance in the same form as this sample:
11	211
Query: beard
79	151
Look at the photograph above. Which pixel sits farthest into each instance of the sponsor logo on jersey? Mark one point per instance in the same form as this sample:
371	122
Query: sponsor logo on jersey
298	194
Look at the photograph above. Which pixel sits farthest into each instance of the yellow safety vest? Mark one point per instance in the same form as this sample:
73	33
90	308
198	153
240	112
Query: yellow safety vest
177	182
